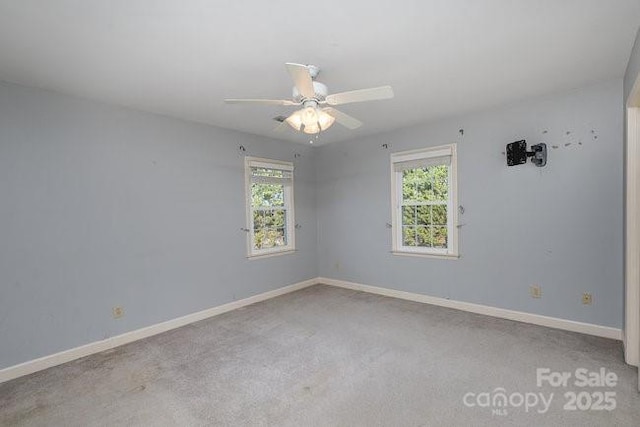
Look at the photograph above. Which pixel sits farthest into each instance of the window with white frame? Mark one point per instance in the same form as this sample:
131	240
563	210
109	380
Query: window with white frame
424	201
269	206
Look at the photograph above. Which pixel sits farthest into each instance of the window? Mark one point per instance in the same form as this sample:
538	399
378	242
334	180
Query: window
424	205
269	206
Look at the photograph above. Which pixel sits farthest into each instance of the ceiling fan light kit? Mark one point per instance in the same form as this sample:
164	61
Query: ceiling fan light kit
311	94
310	120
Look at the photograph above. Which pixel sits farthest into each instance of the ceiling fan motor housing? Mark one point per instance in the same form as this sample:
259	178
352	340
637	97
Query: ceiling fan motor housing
311	94
320	89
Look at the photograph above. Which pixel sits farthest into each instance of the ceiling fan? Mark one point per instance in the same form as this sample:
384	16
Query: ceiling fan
312	96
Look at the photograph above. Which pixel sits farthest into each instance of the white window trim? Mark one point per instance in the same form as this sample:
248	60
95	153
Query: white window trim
290	248
452	206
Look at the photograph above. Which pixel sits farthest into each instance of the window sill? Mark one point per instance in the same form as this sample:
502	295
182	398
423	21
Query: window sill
271	254
426	255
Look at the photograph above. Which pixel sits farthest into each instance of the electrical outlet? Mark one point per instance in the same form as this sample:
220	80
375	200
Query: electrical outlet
118	312
535	291
587	298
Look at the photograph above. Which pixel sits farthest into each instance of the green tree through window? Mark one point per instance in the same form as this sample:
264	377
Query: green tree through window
424	206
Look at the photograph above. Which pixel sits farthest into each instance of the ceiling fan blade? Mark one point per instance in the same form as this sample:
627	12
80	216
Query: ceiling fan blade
301	79
342	118
262	101
362	95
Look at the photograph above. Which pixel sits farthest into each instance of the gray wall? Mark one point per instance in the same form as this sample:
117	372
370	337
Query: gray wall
558	226
103	206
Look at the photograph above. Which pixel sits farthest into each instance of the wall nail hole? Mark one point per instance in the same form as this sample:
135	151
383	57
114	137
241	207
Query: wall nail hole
567	144
554	146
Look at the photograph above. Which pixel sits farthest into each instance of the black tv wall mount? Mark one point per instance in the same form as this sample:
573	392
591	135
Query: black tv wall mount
517	153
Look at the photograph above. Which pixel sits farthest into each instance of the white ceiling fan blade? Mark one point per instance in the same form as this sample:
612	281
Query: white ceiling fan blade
261	101
301	79
362	95
342	118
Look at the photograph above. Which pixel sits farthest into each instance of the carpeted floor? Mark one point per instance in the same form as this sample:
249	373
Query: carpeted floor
332	357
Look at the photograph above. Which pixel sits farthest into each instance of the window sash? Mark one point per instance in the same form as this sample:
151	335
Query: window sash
400	224
284	228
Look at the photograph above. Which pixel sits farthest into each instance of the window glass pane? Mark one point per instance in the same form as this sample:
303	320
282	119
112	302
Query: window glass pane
265	195
269	238
440	237
440	176
424	215
424	237
280	237
258	220
408	236
408	215
268	219
279	218
439	213
417	185
258	238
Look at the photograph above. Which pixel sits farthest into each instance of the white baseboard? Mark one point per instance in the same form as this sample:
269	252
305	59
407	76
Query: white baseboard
519	316
45	362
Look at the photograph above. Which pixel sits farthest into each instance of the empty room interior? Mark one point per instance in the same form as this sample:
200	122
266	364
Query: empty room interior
341	213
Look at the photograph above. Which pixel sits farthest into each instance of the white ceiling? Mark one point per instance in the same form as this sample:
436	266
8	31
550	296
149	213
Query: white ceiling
182	58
